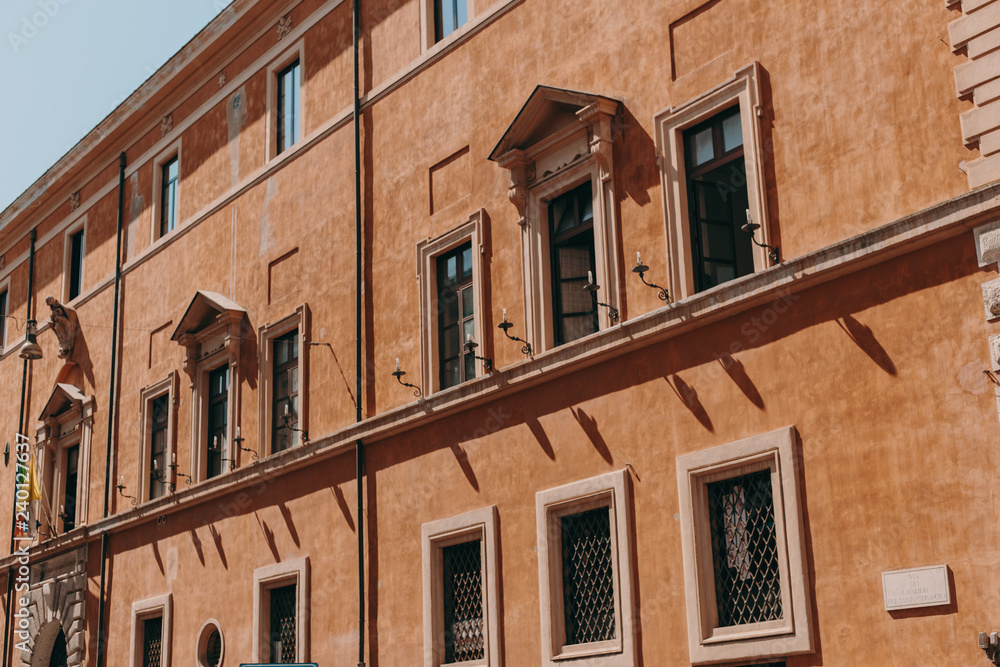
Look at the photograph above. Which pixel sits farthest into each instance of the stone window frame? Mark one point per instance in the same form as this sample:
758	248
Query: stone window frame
295	571
791	635
266	334
160	606
435	536
427	23
80	224
744	91
202	646
174	150
296	51
73	426
610	490
168	386
428	251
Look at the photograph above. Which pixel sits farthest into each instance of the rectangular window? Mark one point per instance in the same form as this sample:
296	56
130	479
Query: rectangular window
168	196
75	278
282	624
571	240
72	467
285	393
152	642
449	16
456	316
159	421
288	106
717	195
3	319
462	577
218	410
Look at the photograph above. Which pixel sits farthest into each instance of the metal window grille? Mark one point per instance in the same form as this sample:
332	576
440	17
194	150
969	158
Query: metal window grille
152	641
213	649
588	577
463	602
282	626
744	549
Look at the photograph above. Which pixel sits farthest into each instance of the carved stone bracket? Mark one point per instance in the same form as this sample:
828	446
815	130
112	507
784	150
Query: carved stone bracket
520	167
600	116
167	124
74	201
66	325
284	25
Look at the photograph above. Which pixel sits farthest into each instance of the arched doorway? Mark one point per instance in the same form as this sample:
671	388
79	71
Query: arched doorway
50	648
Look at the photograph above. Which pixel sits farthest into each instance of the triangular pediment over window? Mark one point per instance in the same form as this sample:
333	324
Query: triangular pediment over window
205	310
63	398
547	112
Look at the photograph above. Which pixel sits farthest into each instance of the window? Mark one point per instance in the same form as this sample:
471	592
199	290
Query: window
157	451
211	646
158	454
75	250
571	238
218	411
584	572
560	154
288	106
284	382
281	604
457	317
461	604
717	191
3	318
168	196
449	16
714	141
71	470
743	554
65	436
151	632
449	269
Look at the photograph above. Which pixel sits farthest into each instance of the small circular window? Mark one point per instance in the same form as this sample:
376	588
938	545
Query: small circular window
210	645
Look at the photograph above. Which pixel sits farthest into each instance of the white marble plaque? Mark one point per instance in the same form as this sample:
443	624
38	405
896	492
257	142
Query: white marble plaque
916	587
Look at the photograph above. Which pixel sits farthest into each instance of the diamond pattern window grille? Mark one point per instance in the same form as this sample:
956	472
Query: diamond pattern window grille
152	641
744	549
282	638
463	602
588	577
213	649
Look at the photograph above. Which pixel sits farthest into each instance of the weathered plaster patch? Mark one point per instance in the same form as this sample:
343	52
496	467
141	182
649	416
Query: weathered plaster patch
265	225
236	118
171	565
972	379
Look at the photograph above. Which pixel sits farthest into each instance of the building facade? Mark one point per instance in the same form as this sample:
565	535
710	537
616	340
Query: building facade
337	377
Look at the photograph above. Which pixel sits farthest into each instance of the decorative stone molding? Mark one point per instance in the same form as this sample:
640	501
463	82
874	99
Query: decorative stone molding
167	124
284	25
222	79
57	595
519	165
978	33
74	201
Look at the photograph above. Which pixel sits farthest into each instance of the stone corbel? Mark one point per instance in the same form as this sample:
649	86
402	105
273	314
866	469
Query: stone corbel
520	167
600	116
65	323
192	348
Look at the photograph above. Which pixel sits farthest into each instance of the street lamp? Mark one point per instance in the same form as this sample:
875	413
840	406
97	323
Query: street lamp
31	349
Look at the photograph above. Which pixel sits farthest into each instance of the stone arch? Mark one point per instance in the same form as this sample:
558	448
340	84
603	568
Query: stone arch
50	648
56	598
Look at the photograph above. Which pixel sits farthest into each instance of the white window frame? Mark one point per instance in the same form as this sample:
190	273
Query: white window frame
5	287
266	335
791	635
295	52
435	536
427	23
166	387
428	252
174	150
296	572
160	606
743	90
609	490
78	225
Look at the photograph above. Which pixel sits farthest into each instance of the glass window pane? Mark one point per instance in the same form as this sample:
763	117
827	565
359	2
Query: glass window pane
450	376
449	308
467	262
717	241
462	12
586	203
467	303
574	262
452	346
712	202
732	133
468	329
575	299
701	148
470	367
578	326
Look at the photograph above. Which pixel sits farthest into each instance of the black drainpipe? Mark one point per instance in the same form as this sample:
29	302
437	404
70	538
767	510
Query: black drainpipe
111	406
20	431
359	452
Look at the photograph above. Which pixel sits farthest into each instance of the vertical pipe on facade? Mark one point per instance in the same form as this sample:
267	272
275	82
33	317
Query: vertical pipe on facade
20	431
359	452
111	404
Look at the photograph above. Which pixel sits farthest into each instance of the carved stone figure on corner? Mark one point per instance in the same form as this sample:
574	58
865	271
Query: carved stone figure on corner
65	324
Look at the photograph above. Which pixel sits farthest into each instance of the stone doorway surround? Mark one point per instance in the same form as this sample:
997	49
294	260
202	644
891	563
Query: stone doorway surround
56	594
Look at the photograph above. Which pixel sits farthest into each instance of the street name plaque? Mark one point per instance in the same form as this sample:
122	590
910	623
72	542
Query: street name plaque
916	587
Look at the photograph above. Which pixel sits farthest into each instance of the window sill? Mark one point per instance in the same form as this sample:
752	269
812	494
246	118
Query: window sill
593	649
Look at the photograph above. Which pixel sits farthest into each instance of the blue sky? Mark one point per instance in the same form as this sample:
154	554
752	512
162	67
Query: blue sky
66	64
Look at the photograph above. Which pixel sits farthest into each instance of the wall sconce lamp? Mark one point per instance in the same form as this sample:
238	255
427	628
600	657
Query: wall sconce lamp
287	419
990	643
239	440
215	449
592	287
505	325
173	467
398	374
6	454
470	348
751	228
121	491
31	350
641	269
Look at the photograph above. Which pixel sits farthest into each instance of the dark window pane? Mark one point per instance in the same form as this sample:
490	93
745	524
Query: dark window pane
158	451
285	374
218	408
3	318
282	628
588	577
463	602
456	314
69	492
76	265
168	197
288	106
213	649
449	15
152	642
